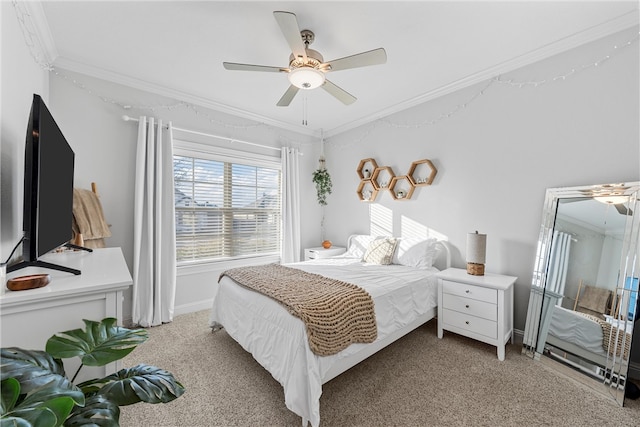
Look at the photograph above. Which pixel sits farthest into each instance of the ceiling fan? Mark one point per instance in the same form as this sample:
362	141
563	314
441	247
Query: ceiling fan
307	68
612	194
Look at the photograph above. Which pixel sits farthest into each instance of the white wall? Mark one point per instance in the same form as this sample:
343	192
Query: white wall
20	78
610	264
496	157
89	112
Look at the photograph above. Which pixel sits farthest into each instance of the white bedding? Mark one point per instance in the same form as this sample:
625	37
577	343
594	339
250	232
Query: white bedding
582	331
278	341
572	327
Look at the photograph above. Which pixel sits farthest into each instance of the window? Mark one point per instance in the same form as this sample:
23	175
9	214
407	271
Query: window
225	208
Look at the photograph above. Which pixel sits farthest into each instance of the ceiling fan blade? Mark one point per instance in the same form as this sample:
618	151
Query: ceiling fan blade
289	26
250	67
622	209
364	59
288	96
342	95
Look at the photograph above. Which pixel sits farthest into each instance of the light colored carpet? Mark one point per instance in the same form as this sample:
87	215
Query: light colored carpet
419	380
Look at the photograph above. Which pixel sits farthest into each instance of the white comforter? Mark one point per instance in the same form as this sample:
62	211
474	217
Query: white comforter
582	331
278	340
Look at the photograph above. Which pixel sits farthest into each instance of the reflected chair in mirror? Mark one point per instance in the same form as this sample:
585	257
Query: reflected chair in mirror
593	300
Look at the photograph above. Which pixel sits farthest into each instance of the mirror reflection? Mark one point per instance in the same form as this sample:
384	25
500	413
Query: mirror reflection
585	286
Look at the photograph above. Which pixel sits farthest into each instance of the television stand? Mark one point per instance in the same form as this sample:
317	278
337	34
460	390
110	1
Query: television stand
42	264
76	247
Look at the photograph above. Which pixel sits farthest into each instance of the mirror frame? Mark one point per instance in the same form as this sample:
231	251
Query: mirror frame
540	297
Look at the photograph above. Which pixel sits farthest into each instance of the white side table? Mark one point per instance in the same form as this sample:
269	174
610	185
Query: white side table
478	307
320	252
28	318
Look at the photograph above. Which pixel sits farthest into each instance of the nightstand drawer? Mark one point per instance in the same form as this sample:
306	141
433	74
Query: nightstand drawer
473	324
470	306
320	252
470	291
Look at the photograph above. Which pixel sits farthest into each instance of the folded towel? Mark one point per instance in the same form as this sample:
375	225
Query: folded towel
88	216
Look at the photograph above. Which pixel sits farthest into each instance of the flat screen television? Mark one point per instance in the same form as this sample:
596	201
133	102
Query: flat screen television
48	189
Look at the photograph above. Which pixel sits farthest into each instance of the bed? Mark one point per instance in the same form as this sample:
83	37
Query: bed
404	295
587	336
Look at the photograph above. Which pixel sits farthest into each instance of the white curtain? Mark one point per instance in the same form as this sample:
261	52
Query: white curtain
290	205
558	263
154	240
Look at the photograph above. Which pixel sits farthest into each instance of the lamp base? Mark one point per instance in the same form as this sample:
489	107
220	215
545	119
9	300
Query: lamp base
475	269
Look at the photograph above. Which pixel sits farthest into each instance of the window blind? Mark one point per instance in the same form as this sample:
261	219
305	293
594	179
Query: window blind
225	209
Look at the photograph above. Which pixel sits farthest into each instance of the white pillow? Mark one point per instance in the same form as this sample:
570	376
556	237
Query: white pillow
381	251
358	245
415	252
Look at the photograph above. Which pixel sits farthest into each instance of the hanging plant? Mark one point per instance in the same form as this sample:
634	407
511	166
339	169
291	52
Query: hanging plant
322	180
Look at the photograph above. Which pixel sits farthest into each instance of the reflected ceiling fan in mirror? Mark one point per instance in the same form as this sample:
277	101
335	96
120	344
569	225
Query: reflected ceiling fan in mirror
307	68
611	194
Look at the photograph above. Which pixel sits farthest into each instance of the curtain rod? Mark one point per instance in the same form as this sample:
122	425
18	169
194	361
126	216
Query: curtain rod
194	132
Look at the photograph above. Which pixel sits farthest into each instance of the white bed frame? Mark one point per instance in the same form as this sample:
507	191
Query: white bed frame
442	262
576	350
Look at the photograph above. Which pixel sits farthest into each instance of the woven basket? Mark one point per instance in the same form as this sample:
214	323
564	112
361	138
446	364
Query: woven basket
475	269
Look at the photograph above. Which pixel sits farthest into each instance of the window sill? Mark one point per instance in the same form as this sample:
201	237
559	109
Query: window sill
197	267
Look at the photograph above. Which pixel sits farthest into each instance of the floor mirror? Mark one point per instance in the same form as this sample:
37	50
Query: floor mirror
584	290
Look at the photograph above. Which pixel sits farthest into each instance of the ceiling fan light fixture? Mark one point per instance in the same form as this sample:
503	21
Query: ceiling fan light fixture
306	78
612	199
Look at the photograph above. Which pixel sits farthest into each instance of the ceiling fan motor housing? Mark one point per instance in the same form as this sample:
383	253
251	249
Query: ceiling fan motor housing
314	60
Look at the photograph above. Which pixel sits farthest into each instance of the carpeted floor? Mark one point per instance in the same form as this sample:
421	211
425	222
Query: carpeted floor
417	381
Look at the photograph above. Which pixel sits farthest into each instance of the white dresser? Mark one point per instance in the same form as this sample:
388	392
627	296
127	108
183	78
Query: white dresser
478	307
30	317
320	252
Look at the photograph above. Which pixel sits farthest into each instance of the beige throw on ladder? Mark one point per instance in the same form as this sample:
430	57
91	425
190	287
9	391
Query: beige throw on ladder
335	313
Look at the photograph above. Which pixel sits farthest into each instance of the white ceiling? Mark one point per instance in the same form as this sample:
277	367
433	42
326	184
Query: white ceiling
593	214
176	48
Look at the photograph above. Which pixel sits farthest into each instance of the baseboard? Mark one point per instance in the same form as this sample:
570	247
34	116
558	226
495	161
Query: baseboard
192	307
518	336
177	310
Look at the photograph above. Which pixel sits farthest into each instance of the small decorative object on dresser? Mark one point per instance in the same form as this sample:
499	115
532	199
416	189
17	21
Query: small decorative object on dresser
476	253
32	281
326	244
478	307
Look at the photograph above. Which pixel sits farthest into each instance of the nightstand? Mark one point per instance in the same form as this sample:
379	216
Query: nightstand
320	252
478	307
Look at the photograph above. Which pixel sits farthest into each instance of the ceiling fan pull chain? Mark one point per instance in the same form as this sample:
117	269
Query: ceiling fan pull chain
304	110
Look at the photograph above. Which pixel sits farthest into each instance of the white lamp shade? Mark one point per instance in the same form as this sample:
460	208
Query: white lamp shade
476	248
306	78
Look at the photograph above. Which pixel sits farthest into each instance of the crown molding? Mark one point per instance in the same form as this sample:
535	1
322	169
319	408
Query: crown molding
178	95
594	33
38	20
589	35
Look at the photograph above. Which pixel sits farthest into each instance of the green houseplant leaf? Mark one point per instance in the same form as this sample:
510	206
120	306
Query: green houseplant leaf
9	392
99	344
47	405
141	383
97	411
32	368
36	392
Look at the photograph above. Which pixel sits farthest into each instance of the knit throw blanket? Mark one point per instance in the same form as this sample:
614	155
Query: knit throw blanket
335	313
